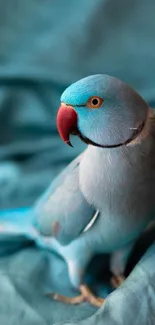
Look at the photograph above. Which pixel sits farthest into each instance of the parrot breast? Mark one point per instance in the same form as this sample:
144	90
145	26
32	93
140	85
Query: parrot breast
120	183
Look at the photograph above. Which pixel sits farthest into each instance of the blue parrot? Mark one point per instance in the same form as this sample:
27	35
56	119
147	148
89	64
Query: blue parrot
105	199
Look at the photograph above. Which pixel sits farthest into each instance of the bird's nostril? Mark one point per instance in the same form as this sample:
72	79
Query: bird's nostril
55	228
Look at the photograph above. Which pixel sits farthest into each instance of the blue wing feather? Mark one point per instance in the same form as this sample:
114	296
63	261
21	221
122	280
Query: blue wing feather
64	205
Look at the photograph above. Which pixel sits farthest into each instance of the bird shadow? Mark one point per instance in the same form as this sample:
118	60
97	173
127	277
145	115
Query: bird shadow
98	273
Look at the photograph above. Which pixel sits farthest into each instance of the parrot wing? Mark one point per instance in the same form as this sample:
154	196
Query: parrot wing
63	211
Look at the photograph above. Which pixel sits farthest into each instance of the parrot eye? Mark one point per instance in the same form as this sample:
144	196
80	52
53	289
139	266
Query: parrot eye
94	102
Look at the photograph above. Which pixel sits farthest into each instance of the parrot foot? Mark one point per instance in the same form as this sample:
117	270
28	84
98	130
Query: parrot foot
86	295
116	281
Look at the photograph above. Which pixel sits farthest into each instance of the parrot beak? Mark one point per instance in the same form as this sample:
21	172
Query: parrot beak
66	122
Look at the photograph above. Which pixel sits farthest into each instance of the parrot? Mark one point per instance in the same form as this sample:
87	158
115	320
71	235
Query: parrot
105	198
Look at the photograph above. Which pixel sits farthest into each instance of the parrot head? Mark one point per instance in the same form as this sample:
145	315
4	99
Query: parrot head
102	110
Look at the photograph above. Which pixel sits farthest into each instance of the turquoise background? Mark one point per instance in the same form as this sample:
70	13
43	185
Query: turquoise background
44	47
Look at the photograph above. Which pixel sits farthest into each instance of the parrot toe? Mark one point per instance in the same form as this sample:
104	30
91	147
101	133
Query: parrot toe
85	296
117	281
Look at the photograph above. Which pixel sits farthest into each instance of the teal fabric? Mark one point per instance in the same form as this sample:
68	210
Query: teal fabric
44	47
29	270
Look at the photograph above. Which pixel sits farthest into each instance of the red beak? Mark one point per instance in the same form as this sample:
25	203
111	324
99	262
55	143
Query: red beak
66	122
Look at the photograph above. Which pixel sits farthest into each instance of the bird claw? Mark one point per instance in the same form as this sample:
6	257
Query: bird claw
68	300
117	281
86	296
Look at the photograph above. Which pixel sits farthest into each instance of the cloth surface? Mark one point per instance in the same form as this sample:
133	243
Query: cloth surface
29	270
45	46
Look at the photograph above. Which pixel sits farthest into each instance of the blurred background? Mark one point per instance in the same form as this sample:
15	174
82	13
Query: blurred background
44	47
